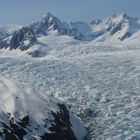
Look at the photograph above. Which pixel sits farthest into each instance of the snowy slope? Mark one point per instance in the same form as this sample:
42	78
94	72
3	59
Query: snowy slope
28	114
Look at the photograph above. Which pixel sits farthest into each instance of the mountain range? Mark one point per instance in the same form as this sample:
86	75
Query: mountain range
118	27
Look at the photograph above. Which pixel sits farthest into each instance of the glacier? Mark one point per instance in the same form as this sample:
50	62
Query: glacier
97	77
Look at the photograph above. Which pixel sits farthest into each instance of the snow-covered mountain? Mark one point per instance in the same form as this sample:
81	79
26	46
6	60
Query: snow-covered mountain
28	114
22	39
50	23
119	27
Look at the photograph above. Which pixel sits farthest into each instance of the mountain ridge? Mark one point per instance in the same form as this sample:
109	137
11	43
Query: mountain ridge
119	27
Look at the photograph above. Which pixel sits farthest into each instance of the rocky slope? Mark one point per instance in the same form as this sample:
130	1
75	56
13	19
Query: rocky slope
26	114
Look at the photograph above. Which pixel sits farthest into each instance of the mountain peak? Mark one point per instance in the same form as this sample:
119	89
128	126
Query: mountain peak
122	14
48	18
48	15
119	17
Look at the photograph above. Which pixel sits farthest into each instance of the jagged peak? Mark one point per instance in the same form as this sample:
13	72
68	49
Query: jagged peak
47	15
23	29
121	14
48	18
118	17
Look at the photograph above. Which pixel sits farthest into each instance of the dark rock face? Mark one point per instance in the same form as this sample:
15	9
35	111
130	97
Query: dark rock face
126	35
23	39
61	128
20	37
80	30
4	44
77	35
116	28
37	53
16	130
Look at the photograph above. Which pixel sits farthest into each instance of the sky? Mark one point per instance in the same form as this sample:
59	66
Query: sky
27	11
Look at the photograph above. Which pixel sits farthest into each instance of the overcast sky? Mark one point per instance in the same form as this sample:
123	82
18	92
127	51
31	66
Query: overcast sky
27	11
